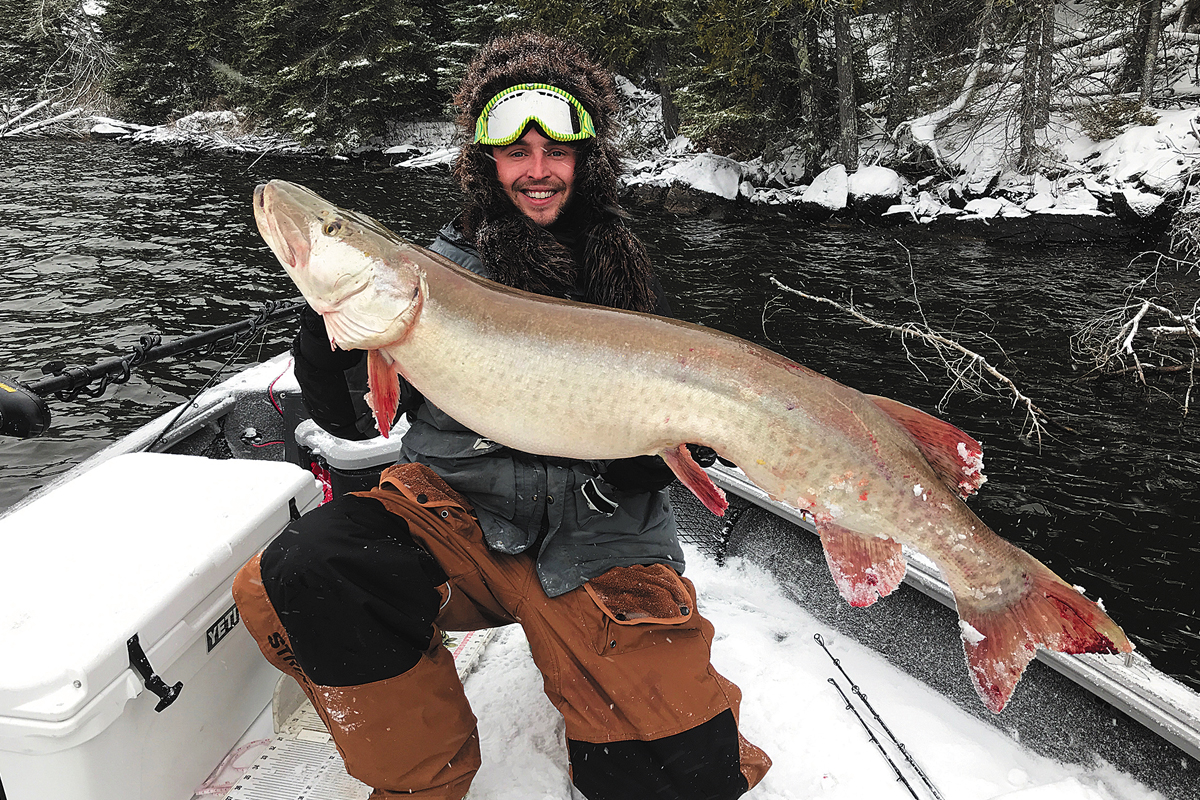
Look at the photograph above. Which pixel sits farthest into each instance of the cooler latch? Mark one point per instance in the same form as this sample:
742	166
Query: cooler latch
137	660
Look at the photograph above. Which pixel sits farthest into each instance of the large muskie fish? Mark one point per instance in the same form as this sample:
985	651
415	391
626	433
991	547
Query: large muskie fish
567	379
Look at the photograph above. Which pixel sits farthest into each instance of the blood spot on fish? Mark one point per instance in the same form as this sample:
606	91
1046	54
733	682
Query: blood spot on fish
863	496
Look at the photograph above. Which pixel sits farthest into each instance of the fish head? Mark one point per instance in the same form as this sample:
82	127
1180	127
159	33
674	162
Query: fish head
352	270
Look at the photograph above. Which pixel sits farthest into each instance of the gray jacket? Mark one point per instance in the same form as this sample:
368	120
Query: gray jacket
580	525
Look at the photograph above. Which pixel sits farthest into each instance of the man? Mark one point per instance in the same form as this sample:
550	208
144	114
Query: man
465	533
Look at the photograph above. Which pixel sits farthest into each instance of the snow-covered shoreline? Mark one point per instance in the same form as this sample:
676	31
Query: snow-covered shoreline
1137	179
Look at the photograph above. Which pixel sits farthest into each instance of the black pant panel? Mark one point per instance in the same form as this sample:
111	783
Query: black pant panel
354	592
703	763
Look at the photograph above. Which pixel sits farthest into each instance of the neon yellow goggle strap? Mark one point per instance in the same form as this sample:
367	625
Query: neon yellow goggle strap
558	114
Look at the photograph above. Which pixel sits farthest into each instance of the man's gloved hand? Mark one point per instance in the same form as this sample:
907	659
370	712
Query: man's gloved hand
312	345
651	473
320	371
639	474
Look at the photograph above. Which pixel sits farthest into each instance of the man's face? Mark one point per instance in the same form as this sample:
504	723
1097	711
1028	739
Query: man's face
537	174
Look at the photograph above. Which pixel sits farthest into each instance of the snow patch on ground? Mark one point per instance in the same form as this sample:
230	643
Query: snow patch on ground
764	643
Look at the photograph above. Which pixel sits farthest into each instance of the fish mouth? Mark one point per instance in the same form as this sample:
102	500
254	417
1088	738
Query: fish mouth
279	228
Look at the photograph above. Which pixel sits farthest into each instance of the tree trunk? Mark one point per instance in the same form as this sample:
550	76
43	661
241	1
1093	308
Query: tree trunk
1135	49
803	41
1036	79
902	60
1046	67
1150	54
670	111
847	104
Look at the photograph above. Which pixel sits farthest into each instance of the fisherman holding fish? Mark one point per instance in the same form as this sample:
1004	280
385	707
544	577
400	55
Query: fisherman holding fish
467	534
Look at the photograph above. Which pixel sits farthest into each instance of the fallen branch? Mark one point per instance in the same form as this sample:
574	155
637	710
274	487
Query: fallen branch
32	126
966	369
25	113
1141	337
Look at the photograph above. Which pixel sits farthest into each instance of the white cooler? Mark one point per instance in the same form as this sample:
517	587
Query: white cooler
122	573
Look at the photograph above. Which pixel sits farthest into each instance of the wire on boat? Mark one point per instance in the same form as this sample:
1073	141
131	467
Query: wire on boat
899	775
862	696
192	400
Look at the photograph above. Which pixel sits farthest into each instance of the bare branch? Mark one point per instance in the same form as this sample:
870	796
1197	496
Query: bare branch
1143	337
966	368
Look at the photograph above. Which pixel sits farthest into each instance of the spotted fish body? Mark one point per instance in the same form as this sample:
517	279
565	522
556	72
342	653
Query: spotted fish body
567	379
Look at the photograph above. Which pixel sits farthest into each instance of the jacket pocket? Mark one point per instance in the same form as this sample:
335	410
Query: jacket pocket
642	606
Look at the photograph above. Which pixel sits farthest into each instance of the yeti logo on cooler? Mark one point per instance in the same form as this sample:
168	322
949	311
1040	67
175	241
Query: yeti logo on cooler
224	624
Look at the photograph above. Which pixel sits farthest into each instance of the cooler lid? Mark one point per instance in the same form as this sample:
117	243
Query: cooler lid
345	454
131	546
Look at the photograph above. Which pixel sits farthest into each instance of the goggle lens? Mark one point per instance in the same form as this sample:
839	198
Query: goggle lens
558	114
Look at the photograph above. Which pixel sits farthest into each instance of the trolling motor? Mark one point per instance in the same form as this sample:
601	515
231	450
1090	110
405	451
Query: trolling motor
23	409
23	412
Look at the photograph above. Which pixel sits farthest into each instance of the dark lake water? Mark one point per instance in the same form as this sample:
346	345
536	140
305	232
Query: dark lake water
102	242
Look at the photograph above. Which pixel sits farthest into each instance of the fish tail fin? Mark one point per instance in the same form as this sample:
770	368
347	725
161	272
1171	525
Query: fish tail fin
1001	640
865	568
955	456
384	394
693	476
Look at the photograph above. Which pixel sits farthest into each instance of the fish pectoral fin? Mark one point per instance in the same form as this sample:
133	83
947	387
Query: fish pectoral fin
384	394
1001	634
956	457
693	476
865	568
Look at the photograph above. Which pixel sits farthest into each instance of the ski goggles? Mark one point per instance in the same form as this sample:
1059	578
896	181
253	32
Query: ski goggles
558	114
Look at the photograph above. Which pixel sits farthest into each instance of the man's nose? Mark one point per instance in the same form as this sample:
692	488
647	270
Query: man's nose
538	165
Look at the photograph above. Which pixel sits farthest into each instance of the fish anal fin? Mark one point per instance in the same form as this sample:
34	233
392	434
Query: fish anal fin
384	394
693	476
1000	639
955	456
864	568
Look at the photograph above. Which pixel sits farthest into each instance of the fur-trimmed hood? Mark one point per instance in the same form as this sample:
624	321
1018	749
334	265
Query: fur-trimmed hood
516	250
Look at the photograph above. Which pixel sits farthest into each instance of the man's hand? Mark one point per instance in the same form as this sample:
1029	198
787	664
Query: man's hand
312	345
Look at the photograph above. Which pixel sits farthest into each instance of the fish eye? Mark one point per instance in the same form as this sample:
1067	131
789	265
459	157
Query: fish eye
332	228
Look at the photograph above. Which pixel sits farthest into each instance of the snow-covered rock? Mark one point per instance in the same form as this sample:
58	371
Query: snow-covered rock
1076	201
987	208
443	155
873	189
708	172
1159	157
830	190
875	181
1142	204
1042	201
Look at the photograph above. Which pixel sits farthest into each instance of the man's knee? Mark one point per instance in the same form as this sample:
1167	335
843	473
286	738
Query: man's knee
703	763
355	594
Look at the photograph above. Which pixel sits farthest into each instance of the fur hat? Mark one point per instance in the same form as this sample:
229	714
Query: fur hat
533	57
515	250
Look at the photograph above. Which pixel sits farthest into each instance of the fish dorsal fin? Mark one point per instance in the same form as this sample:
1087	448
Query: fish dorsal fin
956	457
865	568
384	394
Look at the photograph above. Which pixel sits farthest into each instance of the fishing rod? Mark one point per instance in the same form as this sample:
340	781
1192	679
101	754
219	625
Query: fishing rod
23	409
899	775
861	696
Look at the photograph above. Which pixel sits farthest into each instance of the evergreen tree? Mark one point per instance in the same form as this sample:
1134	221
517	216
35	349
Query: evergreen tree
643	40
337	71
50	49
165	52
467	25
22	54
